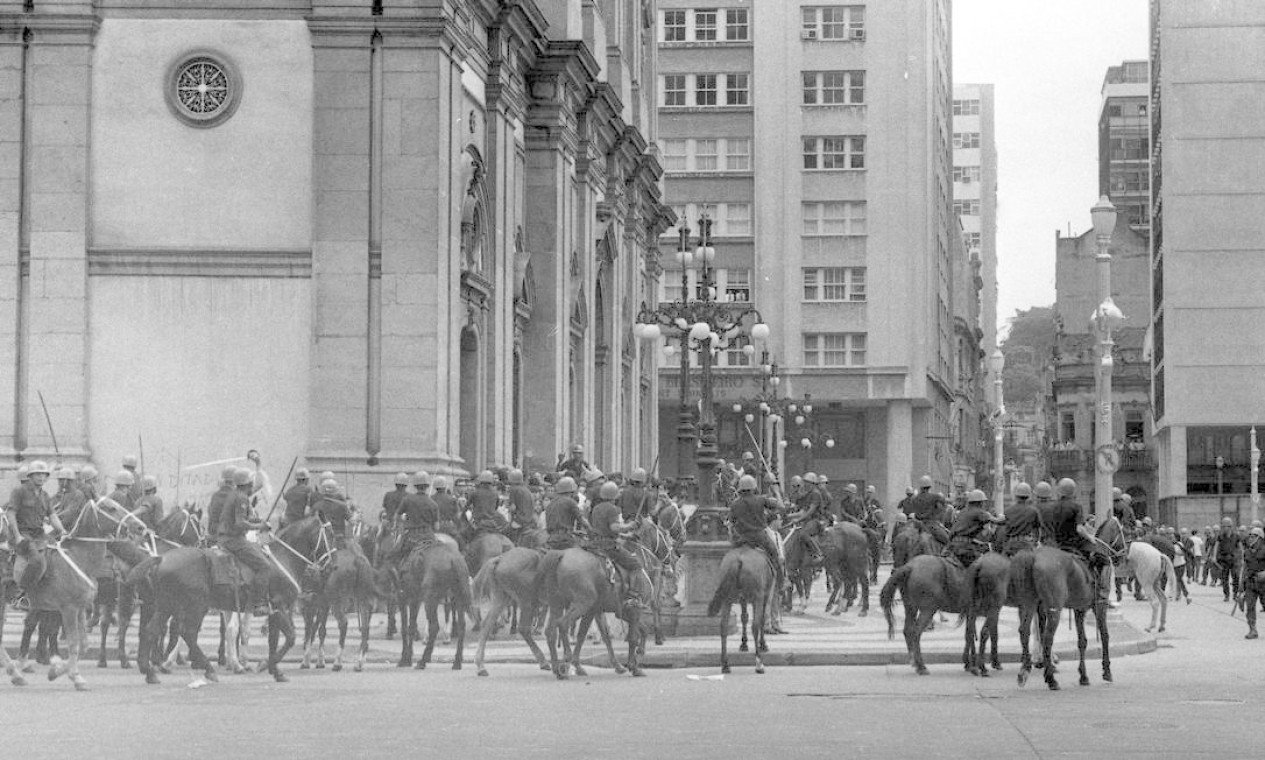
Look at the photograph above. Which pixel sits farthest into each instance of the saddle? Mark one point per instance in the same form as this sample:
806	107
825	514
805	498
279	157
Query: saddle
227	571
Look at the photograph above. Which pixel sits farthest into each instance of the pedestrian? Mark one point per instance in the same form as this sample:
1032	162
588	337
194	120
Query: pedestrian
1226	549
1180	563
1194	553
1253	577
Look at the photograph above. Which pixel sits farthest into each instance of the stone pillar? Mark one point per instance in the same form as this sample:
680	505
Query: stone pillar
59	81
899	456
14	52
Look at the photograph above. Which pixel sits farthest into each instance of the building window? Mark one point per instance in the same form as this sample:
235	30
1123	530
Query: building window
738	285
966	208
738	219
833	22
1129	149
737	24
966	107
203	89
705	156
704	89
734	355
737	155
834	218
1134	425
675	155
829	88
834	349
705	25
834	283
737	90
673	89
1130	181
966	139
674	26
1067	428
728	219
972	239
966	174
845	152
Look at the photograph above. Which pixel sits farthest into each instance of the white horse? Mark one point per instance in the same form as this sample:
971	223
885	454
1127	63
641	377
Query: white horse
1149	568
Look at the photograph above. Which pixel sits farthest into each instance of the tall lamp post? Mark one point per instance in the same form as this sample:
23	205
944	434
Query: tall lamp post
708	326
997	362
1256	466
1105	318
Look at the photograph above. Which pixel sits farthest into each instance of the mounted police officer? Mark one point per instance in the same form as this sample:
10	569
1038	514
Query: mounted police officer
450	518
236	520
135	489
522	503
392	499
69	498
29	511
484	501
417	517
124	482
1064	527
811	515
965	537
1022	528
749	521
875	526
298	498
635	500
215	506
606	528
149	508
563	516
334	511
929	509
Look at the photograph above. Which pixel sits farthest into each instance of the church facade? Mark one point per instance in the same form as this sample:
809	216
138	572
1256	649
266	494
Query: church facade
372	235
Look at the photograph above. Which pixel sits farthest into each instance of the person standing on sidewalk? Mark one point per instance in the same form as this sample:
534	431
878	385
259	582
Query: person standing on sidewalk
1226	549
1194	553
1253	587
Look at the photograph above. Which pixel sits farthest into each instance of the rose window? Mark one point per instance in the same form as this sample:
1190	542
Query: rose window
203	89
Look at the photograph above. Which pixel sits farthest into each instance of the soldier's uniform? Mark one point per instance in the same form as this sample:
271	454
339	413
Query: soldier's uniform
1253	564
929	509
634	502
417	517
235	522
149	509
522	507
298	499
749	518
335	513
603	540
215	506
68	502
562	518
964	543
392	500
1022	528
449	511
483	508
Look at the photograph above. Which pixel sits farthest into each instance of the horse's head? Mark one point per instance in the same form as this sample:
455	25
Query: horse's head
103	518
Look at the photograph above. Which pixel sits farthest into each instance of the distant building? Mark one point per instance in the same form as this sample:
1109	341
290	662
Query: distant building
1124	135
975	198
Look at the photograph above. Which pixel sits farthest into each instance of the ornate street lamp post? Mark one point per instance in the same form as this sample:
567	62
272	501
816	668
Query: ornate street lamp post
1256	467
998	363
1105	318
708	326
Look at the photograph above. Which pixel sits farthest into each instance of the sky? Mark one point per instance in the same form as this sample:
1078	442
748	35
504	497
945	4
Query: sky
1046	61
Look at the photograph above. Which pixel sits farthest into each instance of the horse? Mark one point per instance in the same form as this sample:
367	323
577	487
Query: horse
349	583
911	540
747	578
577	588
67	585
431	575
657	552
11	668
1061	580
479	550
1150	569
927	583
185	588
801	568
846	556
988	584
511	578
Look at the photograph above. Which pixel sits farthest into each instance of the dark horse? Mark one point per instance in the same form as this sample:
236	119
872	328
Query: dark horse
747	578
846	553
511	578
927	583
988	584
432	575
185	589
577	589
348	583
1061	580
801	568
911	540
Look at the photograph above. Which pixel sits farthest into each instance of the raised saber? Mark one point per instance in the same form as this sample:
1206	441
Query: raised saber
277	499
230	460
178	478
140	443
776	482
49	420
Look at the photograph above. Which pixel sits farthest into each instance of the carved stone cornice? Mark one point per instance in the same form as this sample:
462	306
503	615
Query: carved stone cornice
559	85
50	28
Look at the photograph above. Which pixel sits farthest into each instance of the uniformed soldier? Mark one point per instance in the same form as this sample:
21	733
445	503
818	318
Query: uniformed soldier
236	521
484	501
522	504
635	500
1064	526
87	482
851	507
450	519
875	526
392	499
29	511
606	528
563	516
1253	566
134	490
215	506
149	509
69	499
1022	528
965	544
575	466
1124	513
418	514
124	483
749	519
593	481
333	509
929	510
298	498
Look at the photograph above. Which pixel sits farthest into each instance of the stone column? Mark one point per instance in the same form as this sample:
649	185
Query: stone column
14	51
59	83
899	456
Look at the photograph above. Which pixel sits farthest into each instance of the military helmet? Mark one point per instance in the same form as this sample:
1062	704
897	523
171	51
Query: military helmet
226	474
1258	532
327	475
796	480
909	490
401	478
593	475
1116	493
1147	521
1225	521
39	466
329	487
515	477
88	473
241	477
976	496
577	449
851	488
421	478
24	472
565	485
1067	487
746	483
1043	490
810	477
302	474
65	473
440	483
608	491
486	478
822	479
871	489
125	478
1126	498
924	481
1023	491
638	476
149	483
129	461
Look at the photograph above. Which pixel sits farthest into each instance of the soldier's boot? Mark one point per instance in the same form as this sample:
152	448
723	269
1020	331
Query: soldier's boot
1251	633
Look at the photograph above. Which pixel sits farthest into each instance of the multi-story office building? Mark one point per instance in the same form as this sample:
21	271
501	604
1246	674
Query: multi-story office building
1124	137
1207	253
373	236
825	159
975	195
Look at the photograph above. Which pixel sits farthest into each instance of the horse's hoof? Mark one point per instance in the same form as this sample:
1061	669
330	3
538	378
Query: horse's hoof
209	674
320	666
724	669
759	669
545	666
1149	628
1054	685
1106	675
483	672
304	666
619	669
658	641
983	673
997	666
637	672
403	664
164	670
421	665
102	664
360	667
560	675
1022	678
28	667
125	665
280	677
1084	681
180	660
1161	630
338	667
17	680
743	648
921	670
238	670
863	613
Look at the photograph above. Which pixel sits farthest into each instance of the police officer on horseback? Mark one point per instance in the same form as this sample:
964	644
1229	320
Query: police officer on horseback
29	511
965	543
928	509
522	504
484	501
1063	527
749	523
563	516
417	517
449	509
334	512
606	528
635	500
1023	524
236	520
298	498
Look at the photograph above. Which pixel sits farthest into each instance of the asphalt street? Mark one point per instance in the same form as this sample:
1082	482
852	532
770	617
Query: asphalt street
1199	694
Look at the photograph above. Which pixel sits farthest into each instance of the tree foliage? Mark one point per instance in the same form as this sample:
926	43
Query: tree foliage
1028	349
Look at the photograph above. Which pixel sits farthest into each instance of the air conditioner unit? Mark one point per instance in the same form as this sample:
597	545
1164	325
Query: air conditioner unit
856	34
808	34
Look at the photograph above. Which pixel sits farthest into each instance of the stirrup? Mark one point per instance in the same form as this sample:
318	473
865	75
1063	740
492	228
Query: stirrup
22	603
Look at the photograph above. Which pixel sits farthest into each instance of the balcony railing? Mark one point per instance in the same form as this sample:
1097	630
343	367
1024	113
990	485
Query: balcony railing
1063	463
1136	459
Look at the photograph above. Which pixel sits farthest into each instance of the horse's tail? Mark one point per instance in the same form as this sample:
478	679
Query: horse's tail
140	572
727	591
898	579
483	582
1171	573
